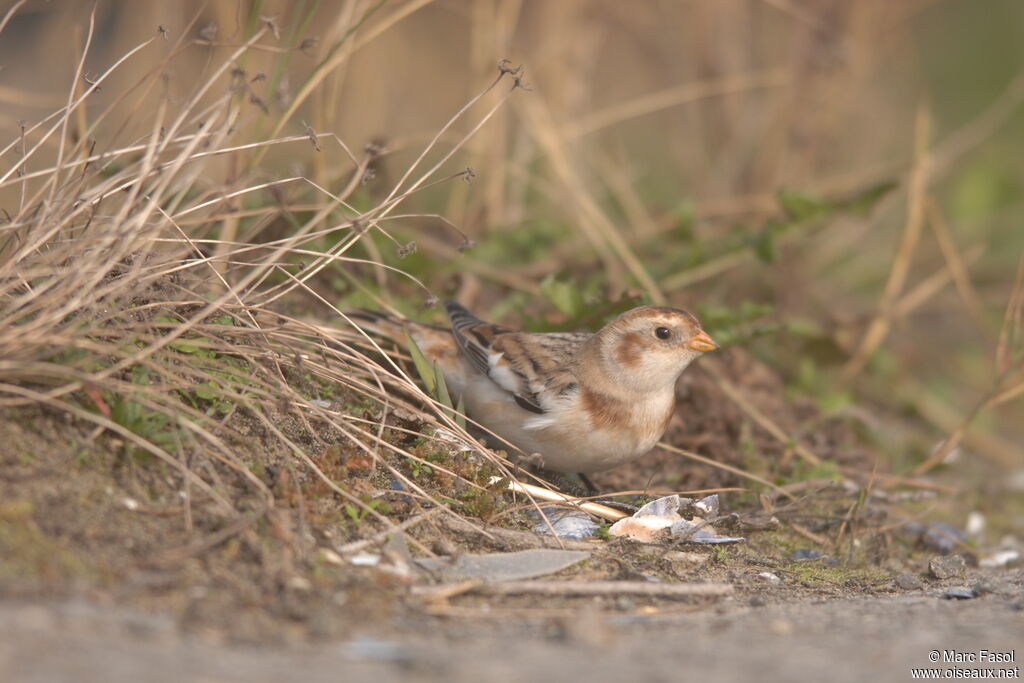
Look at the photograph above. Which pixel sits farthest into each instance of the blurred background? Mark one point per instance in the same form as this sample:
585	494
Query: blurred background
833	186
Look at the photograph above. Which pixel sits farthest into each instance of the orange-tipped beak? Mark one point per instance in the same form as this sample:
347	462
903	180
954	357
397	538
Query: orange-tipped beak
703	342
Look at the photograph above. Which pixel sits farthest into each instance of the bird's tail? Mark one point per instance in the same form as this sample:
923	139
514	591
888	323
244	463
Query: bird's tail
379	323
435	341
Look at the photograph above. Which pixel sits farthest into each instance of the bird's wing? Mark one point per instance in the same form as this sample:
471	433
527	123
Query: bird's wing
534	368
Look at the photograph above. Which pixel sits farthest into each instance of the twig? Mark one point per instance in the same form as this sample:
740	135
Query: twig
180	553
583	588
896	480
810	535
356	546
994	448
598	227
728	468
765	422
650	103
878	330
933	284
957	267
538	492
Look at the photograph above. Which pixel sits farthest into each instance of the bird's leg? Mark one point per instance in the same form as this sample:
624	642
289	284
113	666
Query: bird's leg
591	489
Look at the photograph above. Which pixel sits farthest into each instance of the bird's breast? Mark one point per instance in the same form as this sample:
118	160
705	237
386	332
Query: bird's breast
596	431
585	431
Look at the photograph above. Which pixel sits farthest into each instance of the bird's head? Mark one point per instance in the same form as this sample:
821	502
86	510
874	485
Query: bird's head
646	348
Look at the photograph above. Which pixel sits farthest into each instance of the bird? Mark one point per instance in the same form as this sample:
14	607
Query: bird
580	402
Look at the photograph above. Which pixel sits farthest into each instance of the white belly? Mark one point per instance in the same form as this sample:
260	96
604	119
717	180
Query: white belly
565	437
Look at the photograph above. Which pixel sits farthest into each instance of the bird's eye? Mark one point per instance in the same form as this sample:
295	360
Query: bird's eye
662	333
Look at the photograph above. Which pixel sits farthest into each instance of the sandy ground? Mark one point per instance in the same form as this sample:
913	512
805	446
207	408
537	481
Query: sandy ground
876	639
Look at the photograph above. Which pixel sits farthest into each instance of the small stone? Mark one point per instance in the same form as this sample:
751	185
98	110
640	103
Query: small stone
686	558
299	583
768	577
364	559
1000	558
328	556
758	601
570	523
989	586
942	537
961	593
908	582
375	649
975	525
806	554
946	566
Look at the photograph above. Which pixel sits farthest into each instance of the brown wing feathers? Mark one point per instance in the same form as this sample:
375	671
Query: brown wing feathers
496	352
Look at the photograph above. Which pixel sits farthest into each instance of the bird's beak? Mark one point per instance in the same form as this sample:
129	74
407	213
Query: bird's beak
702	342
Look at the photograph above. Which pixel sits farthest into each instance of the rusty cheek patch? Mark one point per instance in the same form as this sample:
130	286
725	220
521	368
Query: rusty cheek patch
604	411
629	350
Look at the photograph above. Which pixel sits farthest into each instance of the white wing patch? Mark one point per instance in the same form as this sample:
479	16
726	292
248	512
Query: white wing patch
557	409
502	375
540	422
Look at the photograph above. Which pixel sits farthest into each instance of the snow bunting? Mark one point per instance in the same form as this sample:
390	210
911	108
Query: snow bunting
584	402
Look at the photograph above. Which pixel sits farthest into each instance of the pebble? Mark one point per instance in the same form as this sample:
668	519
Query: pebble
909	582
768	577
687	558
1000	558
328	556
975	525
806	554
946	566
994	587
299	583
573	524
376	649
960	593
942	537
399	486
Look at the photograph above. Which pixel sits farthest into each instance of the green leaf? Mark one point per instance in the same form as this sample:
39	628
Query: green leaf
824	470
684	215
801	205
208	394
442	388
863	202
460	413
764	244
565	296
140	375
423	366
836	401
184	347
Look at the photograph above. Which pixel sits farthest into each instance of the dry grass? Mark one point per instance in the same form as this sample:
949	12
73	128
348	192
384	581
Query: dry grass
185	225
120	309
